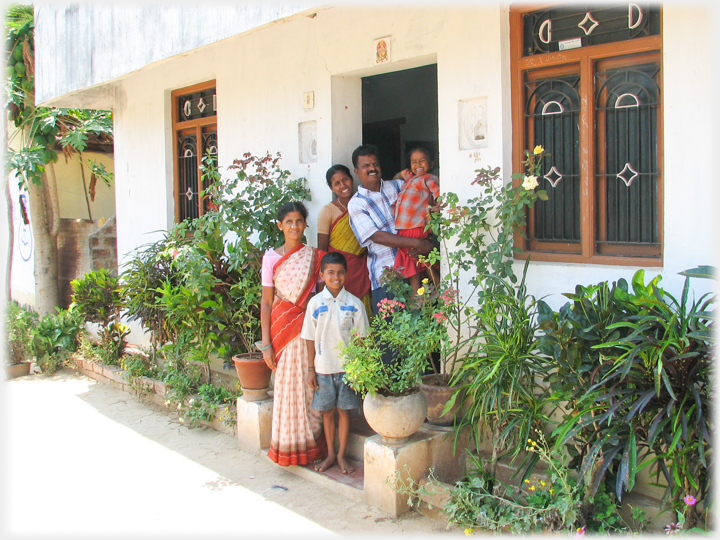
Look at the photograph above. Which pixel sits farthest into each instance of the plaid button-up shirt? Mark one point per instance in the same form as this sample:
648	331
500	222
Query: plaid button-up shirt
370	212
411	208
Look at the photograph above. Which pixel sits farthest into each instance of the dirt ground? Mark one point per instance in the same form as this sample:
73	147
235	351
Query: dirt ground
84	460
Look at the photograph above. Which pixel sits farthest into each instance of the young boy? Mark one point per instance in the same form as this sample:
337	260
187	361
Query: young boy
332	316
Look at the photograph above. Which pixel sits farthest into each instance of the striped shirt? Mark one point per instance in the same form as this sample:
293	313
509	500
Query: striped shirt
370	212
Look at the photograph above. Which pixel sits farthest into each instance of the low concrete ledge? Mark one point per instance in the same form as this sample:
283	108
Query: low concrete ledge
427	449
254	424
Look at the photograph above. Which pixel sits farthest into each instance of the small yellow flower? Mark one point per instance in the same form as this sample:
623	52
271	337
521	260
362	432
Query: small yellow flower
421	291
530	441
542	483
532	488
527	481
538	149
534	443
551	490
425	281
469	531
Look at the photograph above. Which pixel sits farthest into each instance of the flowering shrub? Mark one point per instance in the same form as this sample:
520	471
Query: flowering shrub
407	325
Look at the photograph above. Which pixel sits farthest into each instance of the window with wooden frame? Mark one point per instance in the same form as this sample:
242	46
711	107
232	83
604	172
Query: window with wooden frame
195	134
587	87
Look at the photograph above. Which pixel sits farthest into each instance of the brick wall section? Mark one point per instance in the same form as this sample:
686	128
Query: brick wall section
83	247
73	255
103	247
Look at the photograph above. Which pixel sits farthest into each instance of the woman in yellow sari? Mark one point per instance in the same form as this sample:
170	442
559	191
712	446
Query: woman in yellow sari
335	234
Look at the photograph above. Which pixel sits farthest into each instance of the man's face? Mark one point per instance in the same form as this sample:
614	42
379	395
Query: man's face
368	170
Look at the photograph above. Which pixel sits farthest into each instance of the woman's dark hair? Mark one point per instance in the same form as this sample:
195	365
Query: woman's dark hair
422	149
334	169
292	206
333	257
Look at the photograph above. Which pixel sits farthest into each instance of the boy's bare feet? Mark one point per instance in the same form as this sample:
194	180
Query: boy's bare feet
326	464
345	467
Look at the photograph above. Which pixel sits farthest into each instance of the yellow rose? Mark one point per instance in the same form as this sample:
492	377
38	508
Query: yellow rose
421	291
425	281
530	182
537	150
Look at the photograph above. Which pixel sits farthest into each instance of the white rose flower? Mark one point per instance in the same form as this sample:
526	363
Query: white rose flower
530	182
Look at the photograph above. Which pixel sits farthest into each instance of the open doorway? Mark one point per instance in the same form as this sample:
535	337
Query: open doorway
400	111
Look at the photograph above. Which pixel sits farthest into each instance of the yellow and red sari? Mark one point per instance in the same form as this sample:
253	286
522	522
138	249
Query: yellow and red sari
297	436
342	239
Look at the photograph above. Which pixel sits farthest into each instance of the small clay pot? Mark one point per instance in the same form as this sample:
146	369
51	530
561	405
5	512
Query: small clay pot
254	375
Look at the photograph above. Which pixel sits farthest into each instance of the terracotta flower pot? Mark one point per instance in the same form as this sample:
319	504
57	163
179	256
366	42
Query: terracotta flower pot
437	393
254	375
17	370
395	418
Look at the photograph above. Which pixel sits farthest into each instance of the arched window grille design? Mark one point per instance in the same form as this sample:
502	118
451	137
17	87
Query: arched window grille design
547	29
187	176
552	107
627	101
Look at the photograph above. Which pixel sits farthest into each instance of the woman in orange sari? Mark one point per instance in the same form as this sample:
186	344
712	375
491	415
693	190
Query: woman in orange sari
335	234
289	276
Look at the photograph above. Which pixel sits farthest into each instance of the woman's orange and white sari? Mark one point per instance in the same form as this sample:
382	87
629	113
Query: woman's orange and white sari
297	436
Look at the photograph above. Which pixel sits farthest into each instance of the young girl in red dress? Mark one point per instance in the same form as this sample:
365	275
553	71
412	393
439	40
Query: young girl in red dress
421	189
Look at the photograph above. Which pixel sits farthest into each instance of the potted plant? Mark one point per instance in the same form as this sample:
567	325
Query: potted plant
410	326
20	323
476	239
239	228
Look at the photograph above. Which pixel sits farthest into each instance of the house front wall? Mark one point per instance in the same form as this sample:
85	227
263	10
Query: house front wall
261	78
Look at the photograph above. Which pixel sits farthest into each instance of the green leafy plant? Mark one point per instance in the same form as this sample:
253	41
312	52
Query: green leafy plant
55	338
499	375
410	325
550	500
97	297
138	365
639	364
144	277
477	241
20	324
198	289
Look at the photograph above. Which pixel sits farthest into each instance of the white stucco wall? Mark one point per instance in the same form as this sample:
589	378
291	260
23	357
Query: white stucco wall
261	77
82	45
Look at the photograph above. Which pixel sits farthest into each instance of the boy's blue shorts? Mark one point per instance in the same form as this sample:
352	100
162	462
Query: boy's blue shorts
333	392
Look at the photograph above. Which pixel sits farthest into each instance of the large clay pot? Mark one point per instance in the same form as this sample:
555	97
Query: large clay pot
395	418
254	375
437	393
17	370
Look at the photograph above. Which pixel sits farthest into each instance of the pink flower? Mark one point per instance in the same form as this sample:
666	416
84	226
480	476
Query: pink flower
580	532
175	253
673	528
690	500
386	307
439	317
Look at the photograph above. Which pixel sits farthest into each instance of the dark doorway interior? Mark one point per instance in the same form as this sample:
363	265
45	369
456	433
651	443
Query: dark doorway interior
399	112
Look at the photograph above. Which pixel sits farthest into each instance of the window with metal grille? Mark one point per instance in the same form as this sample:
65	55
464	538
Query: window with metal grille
593	101
195	134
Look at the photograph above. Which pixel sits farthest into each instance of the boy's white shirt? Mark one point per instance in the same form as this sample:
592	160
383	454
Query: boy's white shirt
330	320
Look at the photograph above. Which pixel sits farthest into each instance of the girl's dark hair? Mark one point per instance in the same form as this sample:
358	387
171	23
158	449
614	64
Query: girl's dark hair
336	168
418	149
292	206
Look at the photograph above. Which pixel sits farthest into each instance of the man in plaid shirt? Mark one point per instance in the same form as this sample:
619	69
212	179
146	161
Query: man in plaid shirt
372	218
